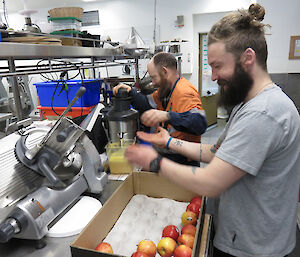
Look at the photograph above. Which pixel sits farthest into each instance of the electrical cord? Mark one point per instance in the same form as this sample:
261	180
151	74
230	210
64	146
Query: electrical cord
53	98
62	81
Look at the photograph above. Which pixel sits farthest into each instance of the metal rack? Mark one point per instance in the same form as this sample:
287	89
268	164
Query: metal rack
96	58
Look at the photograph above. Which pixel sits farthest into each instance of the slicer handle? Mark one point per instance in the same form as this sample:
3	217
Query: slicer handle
48	172
80	91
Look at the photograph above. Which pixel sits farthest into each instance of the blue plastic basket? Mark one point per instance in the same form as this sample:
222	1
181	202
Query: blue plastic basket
65	92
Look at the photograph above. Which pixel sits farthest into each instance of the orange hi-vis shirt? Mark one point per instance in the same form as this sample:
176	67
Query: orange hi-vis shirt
184	98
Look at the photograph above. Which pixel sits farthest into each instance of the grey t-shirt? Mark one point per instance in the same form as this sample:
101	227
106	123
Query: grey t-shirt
257	214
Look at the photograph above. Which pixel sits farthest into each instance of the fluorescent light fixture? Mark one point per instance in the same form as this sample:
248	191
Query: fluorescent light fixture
89	0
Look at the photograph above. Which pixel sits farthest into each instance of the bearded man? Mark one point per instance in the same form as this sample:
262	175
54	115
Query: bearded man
176	105
254	167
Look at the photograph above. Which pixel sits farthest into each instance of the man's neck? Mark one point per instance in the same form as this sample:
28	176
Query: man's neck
174	79
260	83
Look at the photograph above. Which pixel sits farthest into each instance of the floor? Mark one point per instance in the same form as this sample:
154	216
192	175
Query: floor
210	137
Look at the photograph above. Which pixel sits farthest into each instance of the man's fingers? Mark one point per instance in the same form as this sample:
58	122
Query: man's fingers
160	129
145	136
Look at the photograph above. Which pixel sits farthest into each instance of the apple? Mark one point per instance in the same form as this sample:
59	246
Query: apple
183	251
139	254
104	248
171	231
186	239
189	217
189	229
166	246
194	207
147	247
196	199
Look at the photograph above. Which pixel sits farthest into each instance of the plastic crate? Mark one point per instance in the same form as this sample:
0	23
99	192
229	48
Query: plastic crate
48	112
64	23
61	92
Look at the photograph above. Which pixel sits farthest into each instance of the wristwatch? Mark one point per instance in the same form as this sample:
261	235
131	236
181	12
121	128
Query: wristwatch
155	164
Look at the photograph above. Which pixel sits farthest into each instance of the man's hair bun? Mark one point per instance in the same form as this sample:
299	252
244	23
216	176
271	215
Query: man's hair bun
257	11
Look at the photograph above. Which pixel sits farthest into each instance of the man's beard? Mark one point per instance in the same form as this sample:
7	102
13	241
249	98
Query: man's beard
164	88
237	88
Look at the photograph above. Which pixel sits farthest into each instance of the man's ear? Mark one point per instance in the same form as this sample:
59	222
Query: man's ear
164	70
248	58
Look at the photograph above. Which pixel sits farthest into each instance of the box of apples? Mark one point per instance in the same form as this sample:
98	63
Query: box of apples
178	240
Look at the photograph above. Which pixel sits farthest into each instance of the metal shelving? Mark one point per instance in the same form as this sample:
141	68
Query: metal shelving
18	51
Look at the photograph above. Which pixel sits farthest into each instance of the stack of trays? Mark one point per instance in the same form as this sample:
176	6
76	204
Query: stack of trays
66	22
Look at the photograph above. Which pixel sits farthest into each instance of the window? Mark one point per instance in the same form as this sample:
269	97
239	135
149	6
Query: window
90	18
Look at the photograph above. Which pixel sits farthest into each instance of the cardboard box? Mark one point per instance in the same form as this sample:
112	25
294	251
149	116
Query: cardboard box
144	183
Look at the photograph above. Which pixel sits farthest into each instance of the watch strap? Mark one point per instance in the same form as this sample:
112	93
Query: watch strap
155	164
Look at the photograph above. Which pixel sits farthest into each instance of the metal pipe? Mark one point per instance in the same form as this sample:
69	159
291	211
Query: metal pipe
93	63
13	74
59	65
15	88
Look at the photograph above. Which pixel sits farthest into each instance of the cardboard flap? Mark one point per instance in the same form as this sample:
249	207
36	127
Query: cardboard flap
150	184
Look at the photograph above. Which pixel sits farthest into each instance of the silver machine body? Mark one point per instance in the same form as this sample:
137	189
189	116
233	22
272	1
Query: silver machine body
122	119
122	130
43	171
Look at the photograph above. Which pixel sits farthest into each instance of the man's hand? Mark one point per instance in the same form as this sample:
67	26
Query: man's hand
140	155
116	88
160	139
152	117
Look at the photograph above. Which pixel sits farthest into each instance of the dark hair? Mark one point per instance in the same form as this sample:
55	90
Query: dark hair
163	59
241	30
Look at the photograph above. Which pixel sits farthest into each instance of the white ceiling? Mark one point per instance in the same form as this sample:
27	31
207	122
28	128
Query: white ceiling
17	5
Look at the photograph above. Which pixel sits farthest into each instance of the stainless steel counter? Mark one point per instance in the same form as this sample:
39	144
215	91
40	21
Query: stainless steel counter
56	247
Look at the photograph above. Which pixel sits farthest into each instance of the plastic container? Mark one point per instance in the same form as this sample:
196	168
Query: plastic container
63	93
63	23
72	34
116	159
48	112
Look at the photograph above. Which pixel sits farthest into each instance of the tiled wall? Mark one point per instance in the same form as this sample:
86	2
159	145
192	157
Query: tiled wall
290	84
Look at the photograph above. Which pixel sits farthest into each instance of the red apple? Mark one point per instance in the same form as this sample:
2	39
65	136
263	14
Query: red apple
166	246
139	254
183	251
147	247
171	231
196	199
189	229
186	239
194	207
104	248
189	217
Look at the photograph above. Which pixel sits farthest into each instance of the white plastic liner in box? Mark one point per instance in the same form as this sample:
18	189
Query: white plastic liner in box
144	218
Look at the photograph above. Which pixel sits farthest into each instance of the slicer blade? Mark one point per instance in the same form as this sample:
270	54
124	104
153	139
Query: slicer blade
16	180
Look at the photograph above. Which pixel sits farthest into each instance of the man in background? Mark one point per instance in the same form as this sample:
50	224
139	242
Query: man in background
175	105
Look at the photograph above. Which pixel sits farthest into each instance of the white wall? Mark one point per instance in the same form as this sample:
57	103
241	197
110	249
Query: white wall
117	16
283	16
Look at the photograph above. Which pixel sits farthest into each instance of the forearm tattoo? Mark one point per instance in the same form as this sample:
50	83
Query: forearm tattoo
178	143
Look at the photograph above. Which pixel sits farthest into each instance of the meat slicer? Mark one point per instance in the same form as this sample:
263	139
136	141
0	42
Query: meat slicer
44	170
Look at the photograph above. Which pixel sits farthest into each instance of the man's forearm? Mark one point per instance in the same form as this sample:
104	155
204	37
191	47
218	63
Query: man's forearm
192	178
190	122
139	101
194	151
